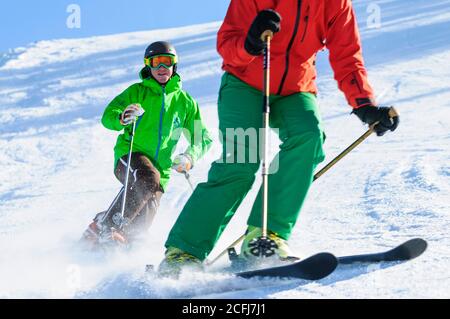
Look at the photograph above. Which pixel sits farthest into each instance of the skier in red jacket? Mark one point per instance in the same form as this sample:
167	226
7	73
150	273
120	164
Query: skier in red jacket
301	29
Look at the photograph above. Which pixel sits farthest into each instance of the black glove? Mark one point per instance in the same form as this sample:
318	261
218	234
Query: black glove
265	20
370	114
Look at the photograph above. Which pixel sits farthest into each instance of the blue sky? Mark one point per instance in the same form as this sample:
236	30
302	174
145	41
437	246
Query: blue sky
25	21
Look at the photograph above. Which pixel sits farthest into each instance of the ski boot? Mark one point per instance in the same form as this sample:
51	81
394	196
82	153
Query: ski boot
100	236
175	261
273	246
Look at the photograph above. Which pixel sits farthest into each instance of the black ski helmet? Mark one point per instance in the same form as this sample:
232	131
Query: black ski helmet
161	47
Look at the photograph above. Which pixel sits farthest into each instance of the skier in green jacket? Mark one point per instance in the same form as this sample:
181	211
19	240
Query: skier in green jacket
161	110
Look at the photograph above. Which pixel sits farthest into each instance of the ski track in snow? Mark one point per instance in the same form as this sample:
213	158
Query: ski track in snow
56	167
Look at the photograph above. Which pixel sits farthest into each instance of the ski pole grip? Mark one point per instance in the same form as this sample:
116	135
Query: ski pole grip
266	34
393	114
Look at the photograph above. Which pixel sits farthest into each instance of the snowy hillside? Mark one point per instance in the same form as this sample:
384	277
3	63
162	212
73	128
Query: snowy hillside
56	165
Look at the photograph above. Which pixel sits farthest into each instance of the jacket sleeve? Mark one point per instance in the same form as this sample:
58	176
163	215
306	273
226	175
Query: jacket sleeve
233	32
344	43
196	133
111	115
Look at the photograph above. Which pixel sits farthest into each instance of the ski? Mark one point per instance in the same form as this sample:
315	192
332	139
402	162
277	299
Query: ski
406	251
313	268
323	264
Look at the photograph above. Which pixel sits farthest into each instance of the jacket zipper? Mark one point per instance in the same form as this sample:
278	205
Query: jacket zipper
161	114
306	22
291	42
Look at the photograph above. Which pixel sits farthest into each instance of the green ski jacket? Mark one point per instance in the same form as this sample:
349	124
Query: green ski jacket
169	113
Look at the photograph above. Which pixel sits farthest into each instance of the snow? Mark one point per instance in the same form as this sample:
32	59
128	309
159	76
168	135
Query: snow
56	167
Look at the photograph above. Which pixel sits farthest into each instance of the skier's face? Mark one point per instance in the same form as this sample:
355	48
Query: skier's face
162	75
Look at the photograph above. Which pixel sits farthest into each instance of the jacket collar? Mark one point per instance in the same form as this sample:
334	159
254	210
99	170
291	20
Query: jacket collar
173	85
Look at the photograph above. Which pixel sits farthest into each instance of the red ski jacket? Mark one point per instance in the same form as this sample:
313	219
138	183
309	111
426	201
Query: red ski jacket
307	26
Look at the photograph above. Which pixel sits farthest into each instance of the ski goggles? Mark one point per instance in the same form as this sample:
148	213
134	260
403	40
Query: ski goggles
163	60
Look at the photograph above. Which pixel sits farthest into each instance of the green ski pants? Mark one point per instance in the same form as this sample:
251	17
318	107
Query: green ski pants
213	204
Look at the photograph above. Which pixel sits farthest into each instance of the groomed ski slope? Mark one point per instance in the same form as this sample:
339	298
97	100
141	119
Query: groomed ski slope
56	164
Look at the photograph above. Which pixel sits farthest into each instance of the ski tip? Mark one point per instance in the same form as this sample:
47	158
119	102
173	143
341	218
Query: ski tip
312	268
408	250
326	256
415	247
324	264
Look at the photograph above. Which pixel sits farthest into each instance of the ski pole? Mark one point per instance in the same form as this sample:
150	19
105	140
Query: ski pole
341	155
234	244
266	36
392	113
188	179
127	175
108	211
